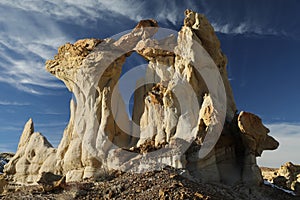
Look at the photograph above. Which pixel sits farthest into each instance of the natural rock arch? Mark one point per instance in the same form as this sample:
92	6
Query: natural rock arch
90	68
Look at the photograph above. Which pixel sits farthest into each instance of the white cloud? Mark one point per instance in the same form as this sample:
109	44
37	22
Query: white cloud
13	103
10	128
245	28
288	136
79	11
252	19
51	112
26	41
31	33
83	11
53	124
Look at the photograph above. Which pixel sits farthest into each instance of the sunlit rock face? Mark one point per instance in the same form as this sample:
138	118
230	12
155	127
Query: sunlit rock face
184	114
286	177
34	155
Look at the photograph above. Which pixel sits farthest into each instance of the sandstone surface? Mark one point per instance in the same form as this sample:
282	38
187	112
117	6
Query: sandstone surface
33	155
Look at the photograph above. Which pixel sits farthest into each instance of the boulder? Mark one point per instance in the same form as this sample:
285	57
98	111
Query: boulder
50	181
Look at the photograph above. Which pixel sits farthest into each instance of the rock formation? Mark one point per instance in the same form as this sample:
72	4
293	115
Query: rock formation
286	177
184	113
255	139
34	156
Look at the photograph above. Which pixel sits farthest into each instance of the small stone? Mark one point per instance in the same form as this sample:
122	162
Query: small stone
138	190
161	193
173	175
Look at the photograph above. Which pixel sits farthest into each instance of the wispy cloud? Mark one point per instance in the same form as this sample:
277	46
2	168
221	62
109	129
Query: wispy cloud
53	124
10	128
288	136
253	18
24	46
171	11
246	28
31	32
13	103
50	112
88	10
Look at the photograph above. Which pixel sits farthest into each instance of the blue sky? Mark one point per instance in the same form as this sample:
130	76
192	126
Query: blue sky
260	38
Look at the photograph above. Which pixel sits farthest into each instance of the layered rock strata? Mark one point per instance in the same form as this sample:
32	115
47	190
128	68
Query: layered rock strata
184	114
